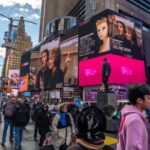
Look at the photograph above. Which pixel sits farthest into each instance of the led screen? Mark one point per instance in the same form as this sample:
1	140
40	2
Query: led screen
123	70
42	76
27	94
108	32
23	84
14	78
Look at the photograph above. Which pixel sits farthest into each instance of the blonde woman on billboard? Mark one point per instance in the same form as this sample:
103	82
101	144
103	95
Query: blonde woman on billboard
103	34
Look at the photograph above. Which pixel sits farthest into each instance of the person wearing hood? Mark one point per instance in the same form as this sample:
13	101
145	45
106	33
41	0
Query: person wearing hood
20	120
133	133
91	124
43	121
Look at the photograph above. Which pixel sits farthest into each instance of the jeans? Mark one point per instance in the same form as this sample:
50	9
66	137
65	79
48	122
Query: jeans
7	123
18	136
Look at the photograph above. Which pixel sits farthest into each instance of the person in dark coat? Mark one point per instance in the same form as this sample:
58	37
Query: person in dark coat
44	74
20	120
57	76
106	71
43	121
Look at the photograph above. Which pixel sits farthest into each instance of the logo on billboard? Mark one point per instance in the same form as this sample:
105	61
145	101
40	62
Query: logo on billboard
126	70
90	72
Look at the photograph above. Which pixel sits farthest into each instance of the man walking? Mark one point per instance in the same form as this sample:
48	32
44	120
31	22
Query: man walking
8	114
20	120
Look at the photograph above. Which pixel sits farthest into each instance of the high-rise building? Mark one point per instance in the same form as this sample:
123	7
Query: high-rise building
52	9
139	10
21	43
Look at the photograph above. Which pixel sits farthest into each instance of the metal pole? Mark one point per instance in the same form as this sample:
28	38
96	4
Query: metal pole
9	40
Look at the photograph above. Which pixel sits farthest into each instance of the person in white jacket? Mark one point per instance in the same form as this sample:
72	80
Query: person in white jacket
64	128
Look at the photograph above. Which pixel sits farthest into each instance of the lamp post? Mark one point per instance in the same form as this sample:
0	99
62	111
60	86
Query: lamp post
8	39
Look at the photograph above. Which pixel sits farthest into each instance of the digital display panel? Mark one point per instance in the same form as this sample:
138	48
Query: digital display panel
14	78
123	70
108	32
23	84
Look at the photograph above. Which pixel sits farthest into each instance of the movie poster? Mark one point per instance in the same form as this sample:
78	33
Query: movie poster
50	74
110	33
23	84
14	78
126	37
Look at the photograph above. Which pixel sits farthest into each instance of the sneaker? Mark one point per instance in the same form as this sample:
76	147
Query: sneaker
3	144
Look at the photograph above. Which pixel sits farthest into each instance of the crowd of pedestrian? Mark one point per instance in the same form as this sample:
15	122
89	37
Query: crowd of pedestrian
73	128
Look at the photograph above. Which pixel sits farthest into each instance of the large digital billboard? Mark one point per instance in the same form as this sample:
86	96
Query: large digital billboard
107	32
23	84
69	52
49	74
14	78
123	70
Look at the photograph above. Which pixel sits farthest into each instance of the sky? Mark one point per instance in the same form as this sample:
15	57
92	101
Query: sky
29	9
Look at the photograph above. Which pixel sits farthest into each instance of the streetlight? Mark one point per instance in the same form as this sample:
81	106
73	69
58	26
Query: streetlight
9	47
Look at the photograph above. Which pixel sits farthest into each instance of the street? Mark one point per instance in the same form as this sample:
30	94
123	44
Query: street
28	140
29	143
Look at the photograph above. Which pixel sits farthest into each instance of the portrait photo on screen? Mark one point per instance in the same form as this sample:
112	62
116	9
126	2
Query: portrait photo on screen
51	71
126	37
94	37
108	32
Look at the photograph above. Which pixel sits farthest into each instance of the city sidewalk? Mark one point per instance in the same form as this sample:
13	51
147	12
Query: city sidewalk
29	143
28	140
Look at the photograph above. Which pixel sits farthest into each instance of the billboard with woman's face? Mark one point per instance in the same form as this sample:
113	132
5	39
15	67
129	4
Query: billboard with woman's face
126	37
110	33
47	76
57	64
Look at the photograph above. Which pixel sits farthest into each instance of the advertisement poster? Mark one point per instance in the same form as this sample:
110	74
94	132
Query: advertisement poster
108	33
126	37
14	76
23	84
123	70
49	74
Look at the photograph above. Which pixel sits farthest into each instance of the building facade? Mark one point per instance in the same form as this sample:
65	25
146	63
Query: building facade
140	10
21	43
52	9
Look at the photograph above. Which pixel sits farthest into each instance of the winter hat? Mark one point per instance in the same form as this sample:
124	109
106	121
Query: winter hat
91	123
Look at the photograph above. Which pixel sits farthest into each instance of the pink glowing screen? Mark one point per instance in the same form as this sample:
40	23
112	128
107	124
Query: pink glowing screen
123	70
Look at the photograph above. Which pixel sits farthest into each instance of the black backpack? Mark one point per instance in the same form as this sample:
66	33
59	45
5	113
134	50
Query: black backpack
21	116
